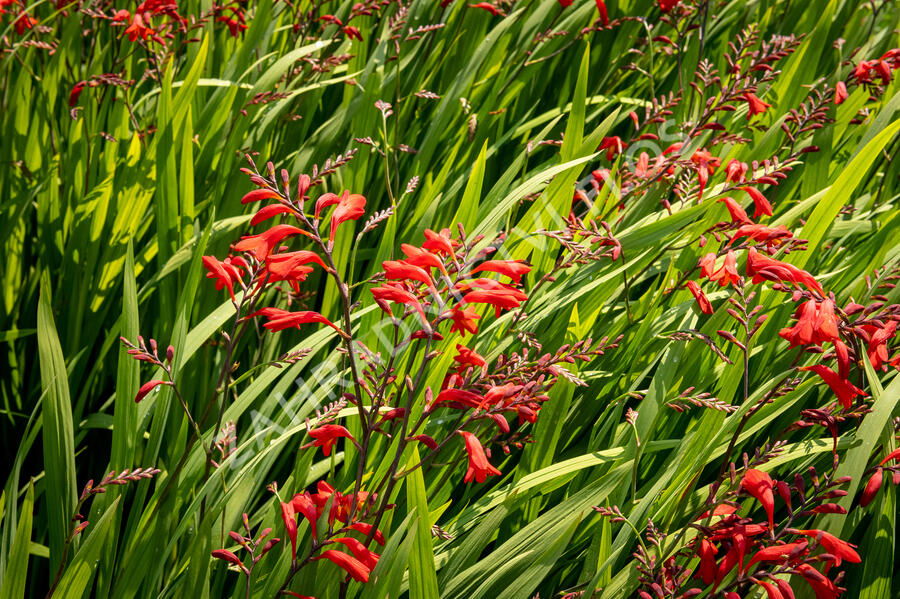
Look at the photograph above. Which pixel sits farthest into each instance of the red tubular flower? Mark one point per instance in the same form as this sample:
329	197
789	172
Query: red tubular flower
147	388
393	293
350	207
514	269
290	524
840	549
267	212
291	265
231	558
425	440
707	264
844	389
604	15
121	15
440	242
467	357
728	274
488	7
736	212
565	3
421	257
759	484
760	203
224	272
464	320
497	298
282	319
467	398
872	488
755	105
359	551
763	268
781	554
700	297
25	22
399	270
258	195
352	566
822	586
735	171
365	528
479	467
816	323
261	245
327	435
137	29
613	146
303	504
877	351
771	236
76	91
840	92
708	566
772	591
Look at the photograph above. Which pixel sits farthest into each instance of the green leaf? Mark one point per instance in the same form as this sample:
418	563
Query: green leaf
16	575
422	571
77	577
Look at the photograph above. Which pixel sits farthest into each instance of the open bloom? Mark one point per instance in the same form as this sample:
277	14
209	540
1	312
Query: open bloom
755	105
464	319
352	566
844	389
359	551
759	484
840	549
327	435
763	268
350	207
225	272
816	323
282	319
736	212
262	244
514	269
479	467
700	297
760	203
392	292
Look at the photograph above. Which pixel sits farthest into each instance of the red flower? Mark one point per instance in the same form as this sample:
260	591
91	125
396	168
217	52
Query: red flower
771	236
565	3
421	257
613	145
759	484
225	273
24	23
268	212
327	435
735	171
261	245
879	336
364	528
464	320
350	207
282	319
467	357
500	299
760	203
440	242
708	566
258	195
840	549
488	7
763	268
772	591
844	389
816	324
736	212
728	274
231	558
601	9
356	569
303	504
390	292
872	488
76	91
147	388
698	294
821	585
755	105
121	15
840	92
359	551
467	398
291	265
781	554
352	32
290	525
479	467
514	269
399	270
667	5
137	29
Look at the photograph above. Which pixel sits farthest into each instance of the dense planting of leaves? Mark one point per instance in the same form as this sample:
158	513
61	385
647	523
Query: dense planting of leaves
418	299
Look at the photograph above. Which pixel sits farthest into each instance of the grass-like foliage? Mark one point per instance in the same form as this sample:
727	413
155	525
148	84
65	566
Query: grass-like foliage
423	298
